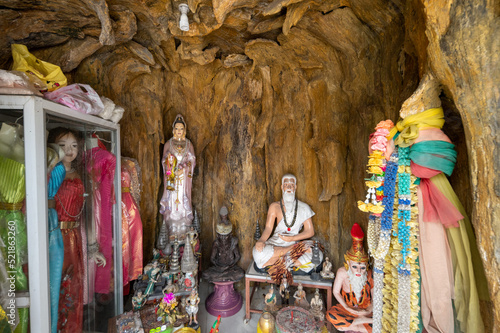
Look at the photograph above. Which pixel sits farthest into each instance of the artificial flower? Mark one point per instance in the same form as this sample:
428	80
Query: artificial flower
376	154
373	183
375	170
375	161
377	208
385	124
362	206
169	298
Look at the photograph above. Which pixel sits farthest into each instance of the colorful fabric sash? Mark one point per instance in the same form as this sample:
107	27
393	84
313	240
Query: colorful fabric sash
437	155
428	160
411	125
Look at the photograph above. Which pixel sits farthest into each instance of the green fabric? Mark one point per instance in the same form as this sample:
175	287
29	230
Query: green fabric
24	319
420	322
470	279
437	155
12	191
15	219
12	181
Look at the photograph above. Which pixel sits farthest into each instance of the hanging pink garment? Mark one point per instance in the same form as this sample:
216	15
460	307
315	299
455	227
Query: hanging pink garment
101	166
131	226
436	268
437	207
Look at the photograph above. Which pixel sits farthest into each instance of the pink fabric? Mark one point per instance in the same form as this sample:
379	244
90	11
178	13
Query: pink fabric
101	166
131	229
79	97
88	270
436	269
432	134
437	207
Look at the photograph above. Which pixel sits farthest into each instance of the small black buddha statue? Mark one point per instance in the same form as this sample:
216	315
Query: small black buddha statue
225	253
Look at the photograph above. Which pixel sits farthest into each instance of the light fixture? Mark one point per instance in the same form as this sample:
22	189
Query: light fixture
184	22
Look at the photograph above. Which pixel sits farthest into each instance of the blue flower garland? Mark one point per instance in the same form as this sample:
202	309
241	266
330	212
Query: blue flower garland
404	209
389	191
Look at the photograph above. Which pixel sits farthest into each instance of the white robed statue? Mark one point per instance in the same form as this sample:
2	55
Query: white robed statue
287	243
178	165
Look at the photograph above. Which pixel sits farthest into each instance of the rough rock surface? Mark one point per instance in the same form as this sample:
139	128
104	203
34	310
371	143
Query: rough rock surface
281	86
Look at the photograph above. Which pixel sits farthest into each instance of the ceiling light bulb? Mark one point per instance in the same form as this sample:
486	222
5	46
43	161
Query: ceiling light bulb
184	22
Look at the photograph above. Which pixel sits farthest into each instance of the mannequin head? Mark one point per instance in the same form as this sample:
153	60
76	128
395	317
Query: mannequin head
11	142
8	134
69	141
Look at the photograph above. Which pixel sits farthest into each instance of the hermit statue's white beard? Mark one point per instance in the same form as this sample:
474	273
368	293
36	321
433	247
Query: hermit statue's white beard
289	200
357	283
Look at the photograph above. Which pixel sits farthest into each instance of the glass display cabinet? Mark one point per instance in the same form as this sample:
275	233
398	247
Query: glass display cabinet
60	217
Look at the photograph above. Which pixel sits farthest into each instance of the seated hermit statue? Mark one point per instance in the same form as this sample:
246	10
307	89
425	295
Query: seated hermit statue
327	273
352	289
287	246
317	306
225	253
300	297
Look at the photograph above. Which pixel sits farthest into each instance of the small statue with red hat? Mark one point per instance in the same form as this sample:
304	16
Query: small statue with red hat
352	289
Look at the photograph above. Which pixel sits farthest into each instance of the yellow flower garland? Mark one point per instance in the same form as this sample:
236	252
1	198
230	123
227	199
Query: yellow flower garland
391	276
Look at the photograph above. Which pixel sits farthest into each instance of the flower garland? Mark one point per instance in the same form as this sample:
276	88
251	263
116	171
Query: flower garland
376	167
382	246
413	258
390	291
396	281
383	176
407	249
400	300
374	183
388	202
403	236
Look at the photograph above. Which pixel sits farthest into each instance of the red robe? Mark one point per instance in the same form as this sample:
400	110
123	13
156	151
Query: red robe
69	202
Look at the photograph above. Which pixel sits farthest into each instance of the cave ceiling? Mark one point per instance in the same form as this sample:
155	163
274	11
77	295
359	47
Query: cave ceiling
74	30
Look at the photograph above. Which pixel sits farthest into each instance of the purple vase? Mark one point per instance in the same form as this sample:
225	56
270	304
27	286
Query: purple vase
224	301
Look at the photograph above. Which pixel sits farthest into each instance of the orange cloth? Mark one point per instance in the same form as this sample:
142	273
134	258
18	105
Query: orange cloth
340	317
132	232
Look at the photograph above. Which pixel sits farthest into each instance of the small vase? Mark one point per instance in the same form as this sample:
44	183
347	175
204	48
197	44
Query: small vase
266	323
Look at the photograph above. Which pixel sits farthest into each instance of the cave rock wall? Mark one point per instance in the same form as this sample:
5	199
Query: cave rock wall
280	86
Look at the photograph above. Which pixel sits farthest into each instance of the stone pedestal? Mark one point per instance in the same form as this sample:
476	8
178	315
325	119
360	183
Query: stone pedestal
224	301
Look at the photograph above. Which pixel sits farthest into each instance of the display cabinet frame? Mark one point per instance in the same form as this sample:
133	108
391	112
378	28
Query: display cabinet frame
35	111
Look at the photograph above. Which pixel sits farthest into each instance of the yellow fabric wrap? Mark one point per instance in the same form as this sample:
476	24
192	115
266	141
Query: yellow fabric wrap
26	62
411	125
